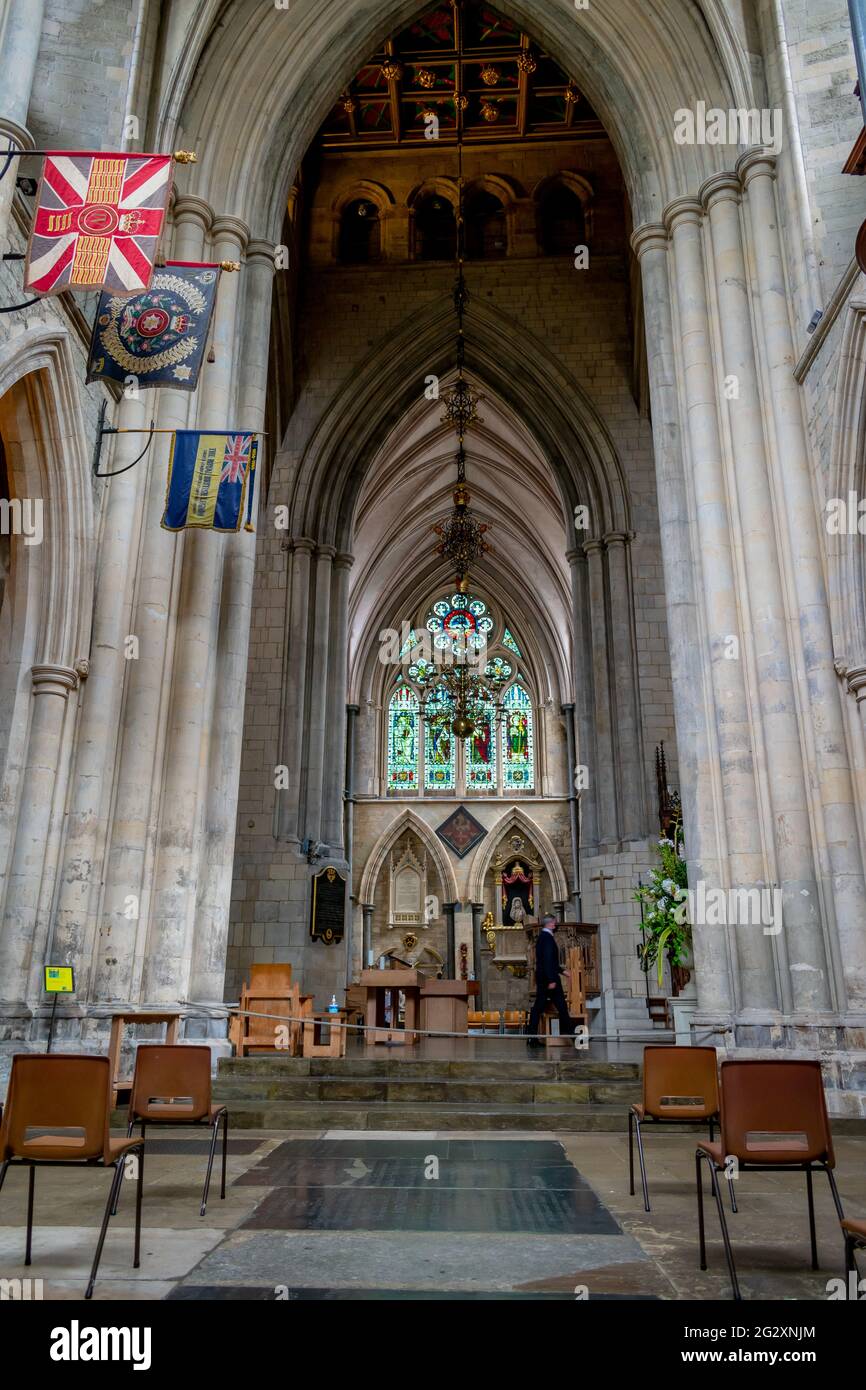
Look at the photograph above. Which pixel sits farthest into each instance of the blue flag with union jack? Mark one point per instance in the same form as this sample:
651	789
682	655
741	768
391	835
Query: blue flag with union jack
210	476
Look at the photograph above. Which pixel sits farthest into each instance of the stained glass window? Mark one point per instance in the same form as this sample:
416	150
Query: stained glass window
509	642
518	740
498	670
440	746
459	623
403	724
481	755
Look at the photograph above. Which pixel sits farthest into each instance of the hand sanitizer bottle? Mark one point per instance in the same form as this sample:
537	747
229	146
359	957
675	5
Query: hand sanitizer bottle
333	1007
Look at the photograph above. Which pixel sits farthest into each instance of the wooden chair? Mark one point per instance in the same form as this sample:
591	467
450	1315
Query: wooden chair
172	1086
270	992
57	1116
680	1086
773	1119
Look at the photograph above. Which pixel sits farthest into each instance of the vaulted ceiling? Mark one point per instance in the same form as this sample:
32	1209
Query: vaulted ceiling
397	570
459	58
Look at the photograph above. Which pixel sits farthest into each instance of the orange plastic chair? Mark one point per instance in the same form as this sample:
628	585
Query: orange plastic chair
57	1114
774	1119
681	1087
171	1086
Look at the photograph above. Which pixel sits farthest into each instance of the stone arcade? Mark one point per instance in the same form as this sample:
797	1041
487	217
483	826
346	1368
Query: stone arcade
163	812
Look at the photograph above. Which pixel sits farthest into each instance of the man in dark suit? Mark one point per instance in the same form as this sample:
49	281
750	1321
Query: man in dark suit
548	985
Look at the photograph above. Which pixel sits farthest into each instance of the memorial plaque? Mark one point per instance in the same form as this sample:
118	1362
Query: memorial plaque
328	910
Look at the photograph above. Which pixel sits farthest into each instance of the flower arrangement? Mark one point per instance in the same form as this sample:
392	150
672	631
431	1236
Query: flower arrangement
666	929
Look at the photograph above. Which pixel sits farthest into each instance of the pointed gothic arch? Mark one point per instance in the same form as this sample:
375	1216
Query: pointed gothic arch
516	818
408	820
520	368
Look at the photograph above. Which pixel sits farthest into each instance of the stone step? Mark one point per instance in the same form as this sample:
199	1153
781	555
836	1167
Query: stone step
570	1067
315	1115
403	1090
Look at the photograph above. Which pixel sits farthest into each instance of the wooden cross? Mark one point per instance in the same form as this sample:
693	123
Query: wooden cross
601	878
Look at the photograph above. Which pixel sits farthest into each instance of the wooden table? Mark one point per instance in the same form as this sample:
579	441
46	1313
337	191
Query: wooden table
379	984
444	1005
335	1046
119	1020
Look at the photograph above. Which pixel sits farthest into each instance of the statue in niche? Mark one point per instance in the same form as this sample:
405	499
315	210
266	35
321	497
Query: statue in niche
518	894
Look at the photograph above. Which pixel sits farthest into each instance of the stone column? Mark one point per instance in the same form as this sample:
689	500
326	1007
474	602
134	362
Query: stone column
176	876
573	813
51	687
791	486
335	759
765	607
367	909
348	807
628	740
603	774
298	622
752	951
97	738
477	948
583	695
450	954
693	743
119	948
317	710
210	938
22	32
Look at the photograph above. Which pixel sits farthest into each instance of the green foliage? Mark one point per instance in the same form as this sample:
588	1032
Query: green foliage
666	929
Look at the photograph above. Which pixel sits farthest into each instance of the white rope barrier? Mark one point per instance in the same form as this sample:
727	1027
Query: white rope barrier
583	1039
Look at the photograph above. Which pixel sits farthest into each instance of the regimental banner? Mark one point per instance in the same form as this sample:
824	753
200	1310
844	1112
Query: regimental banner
208	476
97	222
157	336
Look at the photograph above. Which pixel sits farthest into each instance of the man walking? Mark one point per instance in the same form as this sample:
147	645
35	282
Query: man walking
548	985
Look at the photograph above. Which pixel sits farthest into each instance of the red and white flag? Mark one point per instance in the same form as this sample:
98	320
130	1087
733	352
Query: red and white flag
97	223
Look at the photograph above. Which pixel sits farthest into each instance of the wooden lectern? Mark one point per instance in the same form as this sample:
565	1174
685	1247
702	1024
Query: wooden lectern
444	1005
384	988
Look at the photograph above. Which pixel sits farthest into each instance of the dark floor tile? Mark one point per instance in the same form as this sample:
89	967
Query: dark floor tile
535	1151
280	1171
467	1211
199	1146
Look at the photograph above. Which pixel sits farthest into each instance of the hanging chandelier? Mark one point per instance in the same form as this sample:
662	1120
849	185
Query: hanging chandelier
461	535
461	693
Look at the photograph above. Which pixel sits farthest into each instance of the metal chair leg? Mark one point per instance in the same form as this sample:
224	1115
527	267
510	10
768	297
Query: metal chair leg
209	1166
136	1258
129	1128
631	1152
812	1238
3	1167
729	1254
712	1129
700	1186
835	1192
640	1154
731	1185
30	1189
113	1194
225	1152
